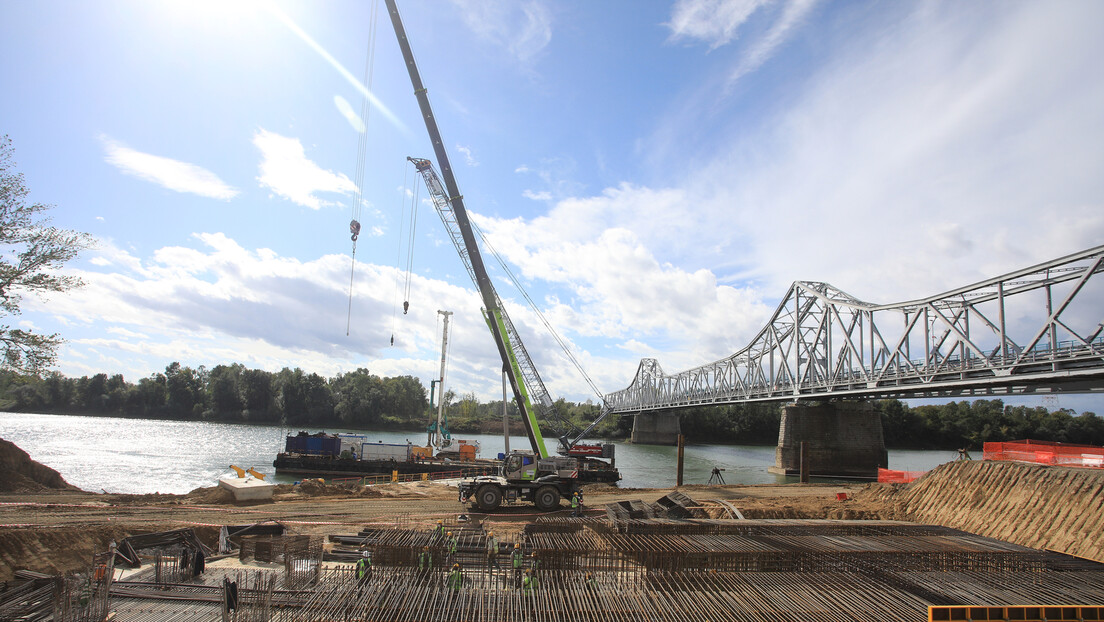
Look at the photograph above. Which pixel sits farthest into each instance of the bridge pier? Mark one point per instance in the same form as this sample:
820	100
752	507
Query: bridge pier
655	429
844	439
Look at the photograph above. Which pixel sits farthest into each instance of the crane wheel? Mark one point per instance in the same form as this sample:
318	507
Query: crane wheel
488	497
547	498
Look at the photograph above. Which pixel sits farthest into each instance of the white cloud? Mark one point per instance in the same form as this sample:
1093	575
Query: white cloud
713	21
537	196
467	153
940	149
761	50
217	302
171	174
522	27
286	170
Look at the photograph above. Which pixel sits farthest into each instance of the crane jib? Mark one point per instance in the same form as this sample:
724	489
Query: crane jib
515	359
536	439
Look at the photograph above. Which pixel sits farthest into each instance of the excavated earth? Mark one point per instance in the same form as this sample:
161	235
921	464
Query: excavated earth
48	526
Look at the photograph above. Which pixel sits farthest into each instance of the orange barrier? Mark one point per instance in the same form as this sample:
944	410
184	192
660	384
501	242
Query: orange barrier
1046	452
898	477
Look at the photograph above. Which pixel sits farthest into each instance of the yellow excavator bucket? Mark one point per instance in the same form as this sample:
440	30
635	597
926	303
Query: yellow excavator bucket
255	473
237	469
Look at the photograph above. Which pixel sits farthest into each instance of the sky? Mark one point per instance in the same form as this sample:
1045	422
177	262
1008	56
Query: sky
655	174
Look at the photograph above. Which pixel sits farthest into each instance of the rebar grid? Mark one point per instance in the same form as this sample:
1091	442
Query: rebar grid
685	571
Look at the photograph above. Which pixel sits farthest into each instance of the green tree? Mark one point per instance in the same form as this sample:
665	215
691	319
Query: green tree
259	396
224	392
31	252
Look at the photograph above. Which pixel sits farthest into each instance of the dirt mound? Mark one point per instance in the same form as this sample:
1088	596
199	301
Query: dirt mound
54	550
311	488
211	495
19	473
1033	505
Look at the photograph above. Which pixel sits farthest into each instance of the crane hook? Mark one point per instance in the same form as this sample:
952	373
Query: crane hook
354	228
406	306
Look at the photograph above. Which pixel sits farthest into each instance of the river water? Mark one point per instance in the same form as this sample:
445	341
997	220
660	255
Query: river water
143	456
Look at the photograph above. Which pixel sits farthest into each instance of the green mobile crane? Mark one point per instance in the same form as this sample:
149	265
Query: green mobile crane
530	476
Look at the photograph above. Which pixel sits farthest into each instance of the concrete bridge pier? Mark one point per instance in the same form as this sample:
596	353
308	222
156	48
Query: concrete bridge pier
844	439
656	429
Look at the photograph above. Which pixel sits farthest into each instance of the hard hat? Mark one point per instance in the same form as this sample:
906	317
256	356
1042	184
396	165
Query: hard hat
425	548
528	571
364	554
450	533
517	545
438	522
456	565
490	533
590	574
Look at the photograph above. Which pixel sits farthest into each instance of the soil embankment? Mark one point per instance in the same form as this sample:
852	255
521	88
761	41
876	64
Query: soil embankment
19	473
1056	508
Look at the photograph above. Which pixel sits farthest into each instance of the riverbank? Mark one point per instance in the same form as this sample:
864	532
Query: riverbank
49	526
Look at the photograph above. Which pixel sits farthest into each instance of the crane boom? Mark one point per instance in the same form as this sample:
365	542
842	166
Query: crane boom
530	394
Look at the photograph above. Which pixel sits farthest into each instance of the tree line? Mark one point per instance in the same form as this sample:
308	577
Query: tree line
931	426
290	397
362	400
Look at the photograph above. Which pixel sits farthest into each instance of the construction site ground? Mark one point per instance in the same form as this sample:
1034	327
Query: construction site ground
971	537
53	531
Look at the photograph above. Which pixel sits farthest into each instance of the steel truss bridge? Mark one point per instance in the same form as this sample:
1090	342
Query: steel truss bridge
1034	330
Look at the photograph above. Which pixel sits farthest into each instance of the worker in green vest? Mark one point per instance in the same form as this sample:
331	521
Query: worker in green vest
516	559
455	579
451	545
591	583
529	583
425	561
575	505
439	530
364	569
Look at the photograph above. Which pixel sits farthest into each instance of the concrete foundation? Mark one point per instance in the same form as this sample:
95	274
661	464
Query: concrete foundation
844	439
656	429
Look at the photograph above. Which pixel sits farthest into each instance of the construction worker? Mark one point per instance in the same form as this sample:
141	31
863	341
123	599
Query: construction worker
451	545
439	530
529	583
455	579
492	550
516	559
425	561
591	582
575	505
364	569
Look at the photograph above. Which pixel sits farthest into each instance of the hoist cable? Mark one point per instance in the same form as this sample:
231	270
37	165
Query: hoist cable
548	325
362	157
412	233
398	253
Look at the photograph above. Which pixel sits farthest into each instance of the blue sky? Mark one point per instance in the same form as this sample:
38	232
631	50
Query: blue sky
656	173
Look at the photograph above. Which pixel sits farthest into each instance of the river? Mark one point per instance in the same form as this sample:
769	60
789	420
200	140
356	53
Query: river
108	454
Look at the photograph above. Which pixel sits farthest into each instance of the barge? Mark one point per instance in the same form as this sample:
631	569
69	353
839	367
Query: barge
351	455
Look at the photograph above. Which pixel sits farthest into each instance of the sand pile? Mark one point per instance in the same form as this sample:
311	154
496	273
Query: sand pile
1043	507
19	473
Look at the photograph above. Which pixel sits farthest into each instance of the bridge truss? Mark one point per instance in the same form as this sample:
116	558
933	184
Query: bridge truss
1034	330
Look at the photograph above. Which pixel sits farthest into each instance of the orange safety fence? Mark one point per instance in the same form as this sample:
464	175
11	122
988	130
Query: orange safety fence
898	477
1046	452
